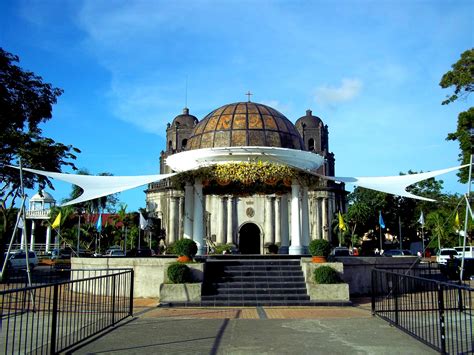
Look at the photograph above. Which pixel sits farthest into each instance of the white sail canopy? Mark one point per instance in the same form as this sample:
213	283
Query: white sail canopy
99	186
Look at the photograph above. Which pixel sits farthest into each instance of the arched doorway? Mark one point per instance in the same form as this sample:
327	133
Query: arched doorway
249	239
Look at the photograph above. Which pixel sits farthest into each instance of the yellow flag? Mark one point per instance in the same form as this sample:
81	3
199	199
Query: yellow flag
457	223
57	221
342	225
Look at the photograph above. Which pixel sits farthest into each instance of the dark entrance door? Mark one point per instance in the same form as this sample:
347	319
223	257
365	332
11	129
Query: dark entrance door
249	239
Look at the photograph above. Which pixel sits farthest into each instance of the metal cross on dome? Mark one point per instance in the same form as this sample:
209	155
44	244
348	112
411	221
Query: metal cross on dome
249	94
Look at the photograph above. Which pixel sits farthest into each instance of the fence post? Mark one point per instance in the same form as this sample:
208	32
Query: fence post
460	298
442	326
373	292
113	299
130	311
395	295
54	320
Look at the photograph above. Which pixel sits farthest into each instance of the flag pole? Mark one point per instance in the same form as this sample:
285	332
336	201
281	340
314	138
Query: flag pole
400	233
468	207
24	233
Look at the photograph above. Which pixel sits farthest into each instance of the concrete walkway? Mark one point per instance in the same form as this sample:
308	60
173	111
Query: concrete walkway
253	330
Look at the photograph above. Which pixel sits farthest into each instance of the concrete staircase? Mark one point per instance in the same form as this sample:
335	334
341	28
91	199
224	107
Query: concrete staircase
247	282
253	282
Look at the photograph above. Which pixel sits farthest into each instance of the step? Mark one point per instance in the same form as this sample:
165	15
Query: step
255	297
301	303
260	279
245	285
254	263
262	291
259	273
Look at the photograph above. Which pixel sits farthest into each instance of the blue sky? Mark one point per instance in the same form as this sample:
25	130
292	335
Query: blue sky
369	69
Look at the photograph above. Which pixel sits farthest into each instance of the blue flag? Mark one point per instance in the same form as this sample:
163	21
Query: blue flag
98	225
381	222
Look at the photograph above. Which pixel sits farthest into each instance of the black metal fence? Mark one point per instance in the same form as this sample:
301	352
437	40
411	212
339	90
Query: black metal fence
440	314
50	318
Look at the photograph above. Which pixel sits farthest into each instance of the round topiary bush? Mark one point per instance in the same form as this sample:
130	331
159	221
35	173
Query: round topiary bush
185	247
326	275
179	273
319	247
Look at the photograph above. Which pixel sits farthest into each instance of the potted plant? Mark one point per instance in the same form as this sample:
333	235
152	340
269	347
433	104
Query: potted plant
319	249
186	249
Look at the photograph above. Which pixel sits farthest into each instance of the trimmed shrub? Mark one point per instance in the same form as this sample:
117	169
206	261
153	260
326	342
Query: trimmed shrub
185	247
220	249
179	273
326	275
319	247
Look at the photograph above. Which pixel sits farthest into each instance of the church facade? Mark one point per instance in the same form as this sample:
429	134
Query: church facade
288	214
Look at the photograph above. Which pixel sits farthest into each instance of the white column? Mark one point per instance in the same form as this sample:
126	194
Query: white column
284	226
305	219
278	220
324	213
180	218
32	236
48	239
317	219
198	221
330	204
295	248
173	219
188	211
269	221
230	220
221	234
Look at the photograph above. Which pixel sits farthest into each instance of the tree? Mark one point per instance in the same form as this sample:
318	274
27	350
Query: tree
25	103
461	77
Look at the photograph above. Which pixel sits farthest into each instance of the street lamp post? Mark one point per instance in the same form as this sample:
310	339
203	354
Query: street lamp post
79	213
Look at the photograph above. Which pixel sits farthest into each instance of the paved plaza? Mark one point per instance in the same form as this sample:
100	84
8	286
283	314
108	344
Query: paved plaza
253	330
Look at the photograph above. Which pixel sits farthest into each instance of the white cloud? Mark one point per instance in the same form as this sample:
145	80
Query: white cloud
347	91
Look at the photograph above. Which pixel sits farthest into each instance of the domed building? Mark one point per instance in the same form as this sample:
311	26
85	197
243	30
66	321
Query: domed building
215	209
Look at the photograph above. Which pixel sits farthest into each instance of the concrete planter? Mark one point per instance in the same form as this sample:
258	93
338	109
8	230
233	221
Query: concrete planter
180	292
308	268
329	292
150	272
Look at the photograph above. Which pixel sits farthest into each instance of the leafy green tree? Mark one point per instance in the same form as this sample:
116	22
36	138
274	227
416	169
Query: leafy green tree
25	103
461	78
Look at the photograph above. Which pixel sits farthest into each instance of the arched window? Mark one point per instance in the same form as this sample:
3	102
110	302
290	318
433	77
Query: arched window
311	144
170	145
184	143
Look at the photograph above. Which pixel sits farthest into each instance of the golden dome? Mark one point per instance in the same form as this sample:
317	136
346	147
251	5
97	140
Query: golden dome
245	124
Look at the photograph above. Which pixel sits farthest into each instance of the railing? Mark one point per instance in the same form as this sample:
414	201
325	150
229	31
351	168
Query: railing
439	314
54	317
38	214
429	270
